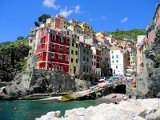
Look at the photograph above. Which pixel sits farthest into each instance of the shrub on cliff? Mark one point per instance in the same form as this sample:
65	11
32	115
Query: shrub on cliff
13	58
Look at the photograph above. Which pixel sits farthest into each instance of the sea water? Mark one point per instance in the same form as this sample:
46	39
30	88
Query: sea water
29	110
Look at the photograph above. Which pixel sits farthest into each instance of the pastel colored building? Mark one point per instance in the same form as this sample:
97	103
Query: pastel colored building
96	59
85	61
117	61
140	42
153	27
53	50
74	53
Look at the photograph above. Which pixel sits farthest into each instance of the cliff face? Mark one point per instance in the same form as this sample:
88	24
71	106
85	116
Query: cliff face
39	81
12	59
151	72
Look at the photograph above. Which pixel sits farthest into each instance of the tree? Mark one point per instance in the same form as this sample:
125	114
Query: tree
41	19
19	38
36	24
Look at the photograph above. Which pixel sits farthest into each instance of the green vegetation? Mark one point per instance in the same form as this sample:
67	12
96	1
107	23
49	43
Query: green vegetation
131	34
157	38
13	58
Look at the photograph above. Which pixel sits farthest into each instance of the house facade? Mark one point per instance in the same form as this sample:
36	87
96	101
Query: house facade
140	42
52	50
96	59
117	61
85	61
153	27
74	54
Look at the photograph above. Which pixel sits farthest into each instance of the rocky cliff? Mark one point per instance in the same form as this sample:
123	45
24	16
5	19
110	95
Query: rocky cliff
38	81
149	79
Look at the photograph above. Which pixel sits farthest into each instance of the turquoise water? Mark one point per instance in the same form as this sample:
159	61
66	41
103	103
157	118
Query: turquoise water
29	110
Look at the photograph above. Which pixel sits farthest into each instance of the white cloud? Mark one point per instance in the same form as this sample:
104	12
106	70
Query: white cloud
51	4
124	20
66	12
77	9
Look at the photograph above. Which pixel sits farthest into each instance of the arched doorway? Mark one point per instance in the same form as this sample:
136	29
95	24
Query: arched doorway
120	89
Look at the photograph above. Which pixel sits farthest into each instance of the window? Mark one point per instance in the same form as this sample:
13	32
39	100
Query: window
94	63
87	69
72	44
116	56
67	41
72	52
112	52
52	56
60	68
67	32
30	41
52	47
76	60
94	57
59	38
116	67
76	45
59	57
112	57
62	39
84	68
54	37
38	56
67	50
71	59
112	61
73	40
87	52
76	52
87	60
117	61
84	59
60	48
67	58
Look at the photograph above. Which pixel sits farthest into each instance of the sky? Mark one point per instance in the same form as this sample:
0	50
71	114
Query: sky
18	16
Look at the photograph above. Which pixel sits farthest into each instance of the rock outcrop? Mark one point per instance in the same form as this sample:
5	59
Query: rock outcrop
141	109
148	81
39	81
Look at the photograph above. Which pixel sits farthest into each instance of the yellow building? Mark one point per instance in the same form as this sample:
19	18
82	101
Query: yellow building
87	29
74	49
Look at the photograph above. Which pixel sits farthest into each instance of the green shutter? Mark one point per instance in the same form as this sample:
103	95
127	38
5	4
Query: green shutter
60	48
62	39
52	56
59	57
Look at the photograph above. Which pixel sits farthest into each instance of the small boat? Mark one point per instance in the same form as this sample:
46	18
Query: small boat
52	99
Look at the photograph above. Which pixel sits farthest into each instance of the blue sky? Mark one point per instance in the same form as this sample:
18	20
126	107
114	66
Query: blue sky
18	16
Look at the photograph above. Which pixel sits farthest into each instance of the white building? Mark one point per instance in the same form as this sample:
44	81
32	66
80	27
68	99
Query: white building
117	61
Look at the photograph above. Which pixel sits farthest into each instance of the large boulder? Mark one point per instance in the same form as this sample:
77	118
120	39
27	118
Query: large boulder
141	109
